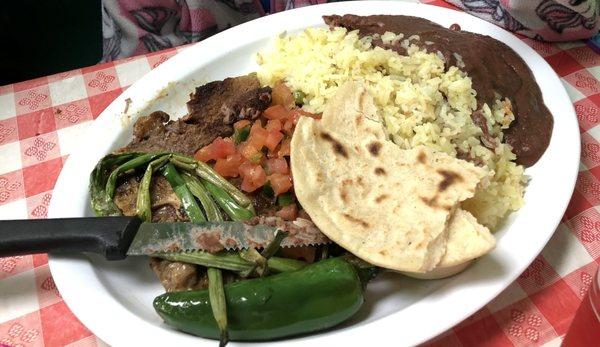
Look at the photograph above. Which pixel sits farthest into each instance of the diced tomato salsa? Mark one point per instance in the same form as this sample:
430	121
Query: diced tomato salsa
259	151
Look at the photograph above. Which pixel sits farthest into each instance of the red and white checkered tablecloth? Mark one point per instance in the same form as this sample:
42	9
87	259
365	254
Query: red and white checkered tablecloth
43	120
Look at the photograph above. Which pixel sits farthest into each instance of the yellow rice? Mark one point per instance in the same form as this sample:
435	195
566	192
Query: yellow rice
420	101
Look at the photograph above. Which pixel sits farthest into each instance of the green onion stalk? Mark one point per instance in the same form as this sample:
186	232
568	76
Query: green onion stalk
144	203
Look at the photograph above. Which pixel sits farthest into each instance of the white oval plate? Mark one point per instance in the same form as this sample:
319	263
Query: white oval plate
114	299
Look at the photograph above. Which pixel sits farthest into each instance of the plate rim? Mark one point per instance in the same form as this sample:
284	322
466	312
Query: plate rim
359	333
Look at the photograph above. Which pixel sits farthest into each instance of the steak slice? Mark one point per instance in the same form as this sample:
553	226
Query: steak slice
213	108
152	135
246	106
208	100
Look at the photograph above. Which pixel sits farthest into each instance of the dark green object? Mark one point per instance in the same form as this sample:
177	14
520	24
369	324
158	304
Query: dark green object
240	135
299	97
227	204
285	199
267	190
316	297
100	201
190	206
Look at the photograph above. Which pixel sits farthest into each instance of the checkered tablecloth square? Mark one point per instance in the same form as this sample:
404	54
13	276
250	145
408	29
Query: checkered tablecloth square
43	120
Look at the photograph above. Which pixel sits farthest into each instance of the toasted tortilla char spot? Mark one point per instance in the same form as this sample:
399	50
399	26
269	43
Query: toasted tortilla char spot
433	203
356	220
344	194
380	171
381	197
337	147
422	157
359	120
374	148
449	178
360	182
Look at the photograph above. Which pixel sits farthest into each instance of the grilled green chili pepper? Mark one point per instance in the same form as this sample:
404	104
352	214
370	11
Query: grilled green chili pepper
316	297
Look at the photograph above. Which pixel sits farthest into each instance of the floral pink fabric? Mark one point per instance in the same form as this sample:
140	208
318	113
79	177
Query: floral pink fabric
547	20
133	27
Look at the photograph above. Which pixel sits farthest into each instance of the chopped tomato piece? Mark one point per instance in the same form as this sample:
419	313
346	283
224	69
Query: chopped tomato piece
204	154
229	167
258	136
282	95
280	183
245	168
273	139
250	152
288	127
284	150
273	125
289	212
219	149
276	112
223	147
254	178
240	124
276	165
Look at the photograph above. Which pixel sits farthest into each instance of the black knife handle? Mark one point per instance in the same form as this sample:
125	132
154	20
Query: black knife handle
108	236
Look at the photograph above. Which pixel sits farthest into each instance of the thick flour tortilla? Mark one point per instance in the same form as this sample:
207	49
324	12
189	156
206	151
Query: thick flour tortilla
388	206
467	240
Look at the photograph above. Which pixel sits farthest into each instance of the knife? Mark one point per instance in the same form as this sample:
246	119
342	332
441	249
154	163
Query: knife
117	237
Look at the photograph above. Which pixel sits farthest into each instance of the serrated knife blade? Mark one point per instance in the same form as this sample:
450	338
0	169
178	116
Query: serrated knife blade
152	238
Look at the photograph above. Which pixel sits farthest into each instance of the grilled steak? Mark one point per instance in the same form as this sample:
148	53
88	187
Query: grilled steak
213	108
247	106
208	100
177	276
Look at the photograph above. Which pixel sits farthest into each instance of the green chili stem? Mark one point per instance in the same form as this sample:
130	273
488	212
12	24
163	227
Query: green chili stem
216	295
144	202
228	204
187	199
128	165
231	261
199	191
207	173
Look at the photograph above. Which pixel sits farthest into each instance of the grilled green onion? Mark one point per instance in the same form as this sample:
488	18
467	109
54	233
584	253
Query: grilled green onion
199	191
207	173
231	261
144	203
128	165
216	295
187	199
228	204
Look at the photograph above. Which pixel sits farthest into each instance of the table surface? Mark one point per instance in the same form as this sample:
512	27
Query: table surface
43	120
